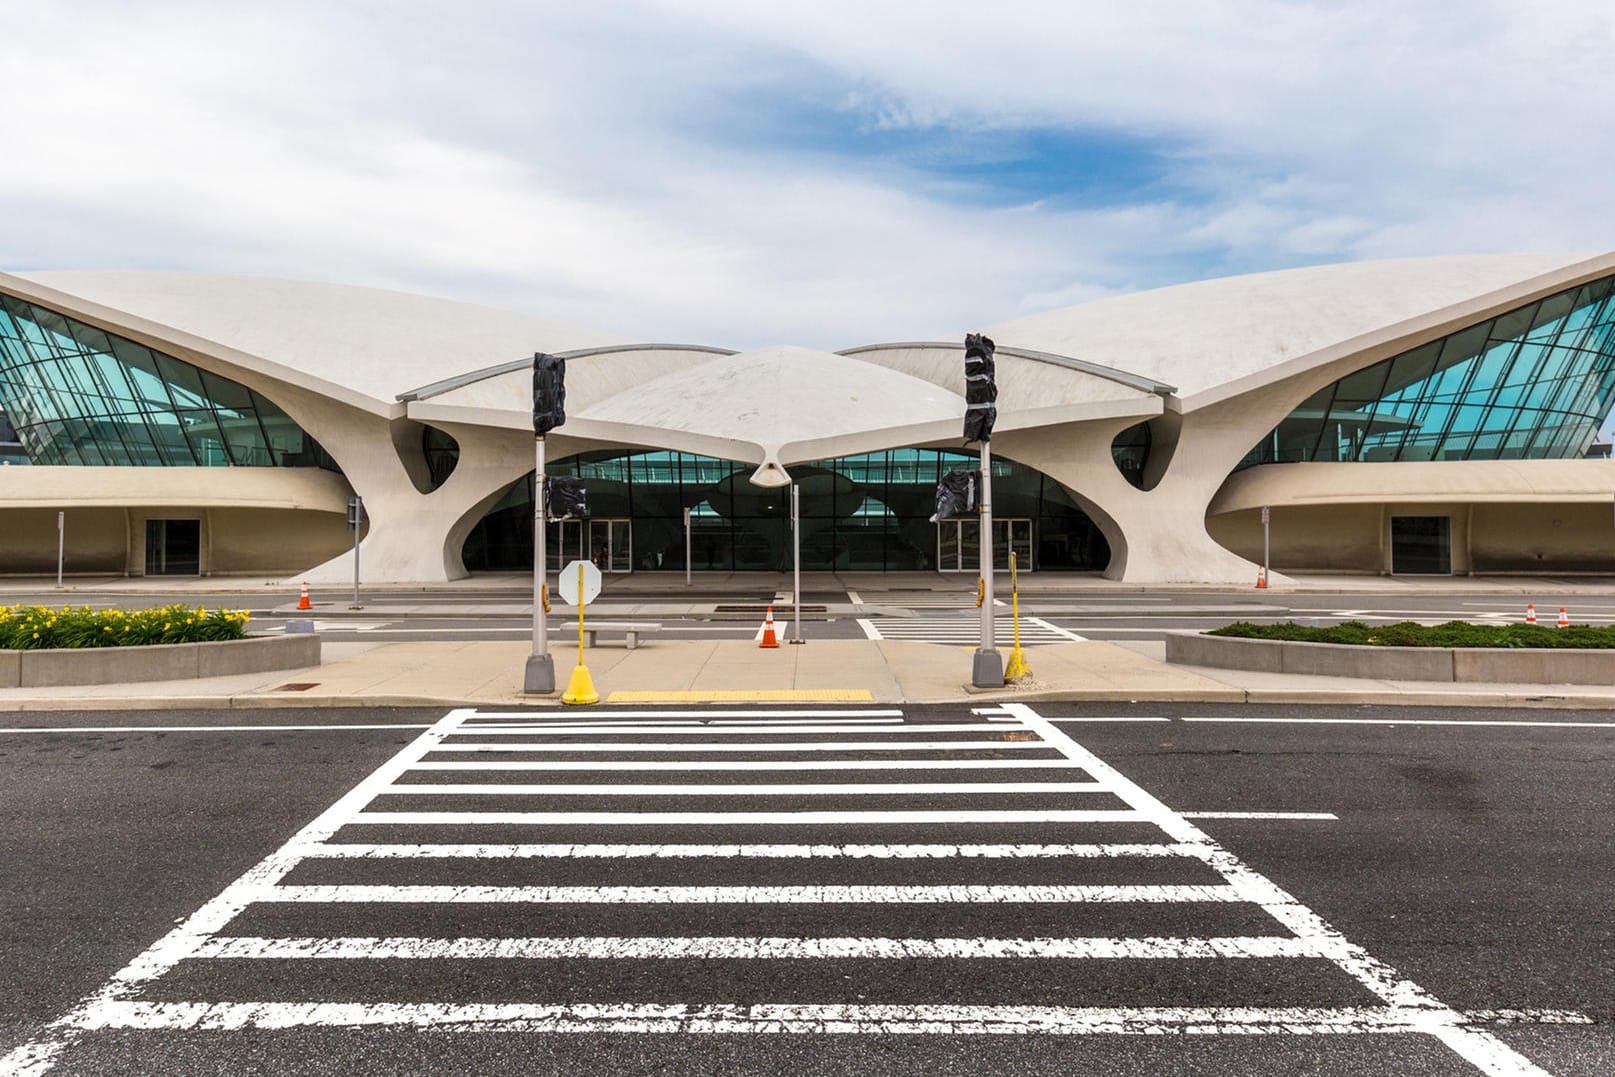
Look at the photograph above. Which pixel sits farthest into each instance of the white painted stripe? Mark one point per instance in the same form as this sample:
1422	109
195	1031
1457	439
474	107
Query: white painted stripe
870	631
736	818
855	598
209	728
739	790
757	746
744	764
493	851
658	948
800	1019
686	723
1323	816
180	942
1111	718
1481	1049
779	713
1056	629
1409	721
728	730
746	895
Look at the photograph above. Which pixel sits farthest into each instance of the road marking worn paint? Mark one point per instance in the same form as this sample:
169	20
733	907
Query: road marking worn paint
208	728
1321	816
516	850
802	1019
1057	630
1410	721
747	895
751	948
794	789
742	817
747	764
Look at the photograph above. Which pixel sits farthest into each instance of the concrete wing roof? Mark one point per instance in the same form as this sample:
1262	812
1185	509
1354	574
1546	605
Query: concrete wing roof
778	396
1209	333
370	341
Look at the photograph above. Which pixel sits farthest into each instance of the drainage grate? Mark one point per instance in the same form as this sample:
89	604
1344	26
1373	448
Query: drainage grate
297	686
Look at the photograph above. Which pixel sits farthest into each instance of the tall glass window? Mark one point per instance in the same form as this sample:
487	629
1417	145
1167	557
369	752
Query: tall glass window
869	512
78	395
1534	383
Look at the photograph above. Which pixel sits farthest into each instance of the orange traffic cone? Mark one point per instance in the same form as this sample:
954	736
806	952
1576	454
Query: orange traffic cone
769	639
1261	577
1564	622
302	599
1530	613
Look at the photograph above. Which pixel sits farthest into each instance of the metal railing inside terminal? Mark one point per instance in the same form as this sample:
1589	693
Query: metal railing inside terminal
1532	384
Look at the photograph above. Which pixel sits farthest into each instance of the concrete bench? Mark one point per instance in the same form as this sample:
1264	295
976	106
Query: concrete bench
630	630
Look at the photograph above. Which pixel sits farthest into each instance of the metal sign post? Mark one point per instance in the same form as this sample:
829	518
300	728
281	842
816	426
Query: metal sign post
1267	547
355	519
686	547
61	545
540	676
988	669
796	557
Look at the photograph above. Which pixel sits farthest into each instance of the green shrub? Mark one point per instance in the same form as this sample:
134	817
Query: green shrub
1412	634
26	628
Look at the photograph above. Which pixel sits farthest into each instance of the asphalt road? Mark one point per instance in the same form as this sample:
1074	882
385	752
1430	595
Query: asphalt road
1471	859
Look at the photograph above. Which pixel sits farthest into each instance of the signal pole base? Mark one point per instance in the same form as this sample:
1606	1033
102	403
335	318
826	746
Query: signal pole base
988	670
540	677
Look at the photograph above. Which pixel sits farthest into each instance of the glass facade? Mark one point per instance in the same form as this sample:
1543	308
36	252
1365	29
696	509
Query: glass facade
78	395
869	512
1532	384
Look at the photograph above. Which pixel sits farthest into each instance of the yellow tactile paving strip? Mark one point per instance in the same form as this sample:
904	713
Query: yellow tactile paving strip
780	695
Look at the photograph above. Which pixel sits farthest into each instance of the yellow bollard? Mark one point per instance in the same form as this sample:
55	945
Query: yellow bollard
580	689
1016	668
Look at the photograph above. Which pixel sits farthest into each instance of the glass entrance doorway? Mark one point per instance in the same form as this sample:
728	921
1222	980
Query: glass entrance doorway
605	541
958	545
1421	544
173	547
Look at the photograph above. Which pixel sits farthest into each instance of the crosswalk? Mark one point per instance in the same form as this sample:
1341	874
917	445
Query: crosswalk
963	629
782	871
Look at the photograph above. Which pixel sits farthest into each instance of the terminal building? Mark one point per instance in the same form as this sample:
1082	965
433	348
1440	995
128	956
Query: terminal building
1415	416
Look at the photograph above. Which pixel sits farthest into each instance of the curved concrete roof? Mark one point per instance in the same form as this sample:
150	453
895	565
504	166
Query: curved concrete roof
371	341
1209	333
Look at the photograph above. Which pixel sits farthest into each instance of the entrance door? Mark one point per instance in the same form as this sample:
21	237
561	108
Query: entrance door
173	547
1421	544
958	550
611	544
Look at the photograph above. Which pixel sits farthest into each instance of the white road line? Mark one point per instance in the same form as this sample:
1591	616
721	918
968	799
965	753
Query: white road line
748	948
870	631
746	895
1056	629
894	745
502	851
849	724
855	598
624	729
734	818
40	1054
1409	721
803	1019
1419	1008
1110	719
778	714
745	764
1322	816
207	728
740	790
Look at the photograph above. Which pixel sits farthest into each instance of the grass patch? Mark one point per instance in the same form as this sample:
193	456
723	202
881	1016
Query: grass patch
28	628
1411	634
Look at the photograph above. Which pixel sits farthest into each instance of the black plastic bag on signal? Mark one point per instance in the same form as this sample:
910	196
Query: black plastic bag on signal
955	495
981	388
568	500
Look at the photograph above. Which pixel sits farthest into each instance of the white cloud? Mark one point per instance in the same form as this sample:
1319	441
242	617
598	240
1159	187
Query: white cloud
633	166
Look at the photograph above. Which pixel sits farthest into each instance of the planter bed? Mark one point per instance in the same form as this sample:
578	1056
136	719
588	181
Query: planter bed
1503	665
156	662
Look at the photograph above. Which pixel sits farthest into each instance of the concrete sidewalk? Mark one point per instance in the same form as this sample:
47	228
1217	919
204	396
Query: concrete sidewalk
488	674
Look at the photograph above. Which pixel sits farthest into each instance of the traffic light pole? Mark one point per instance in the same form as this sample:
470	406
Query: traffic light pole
540	676
988	670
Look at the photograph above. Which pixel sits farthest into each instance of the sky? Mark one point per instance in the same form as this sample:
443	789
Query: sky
827	174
